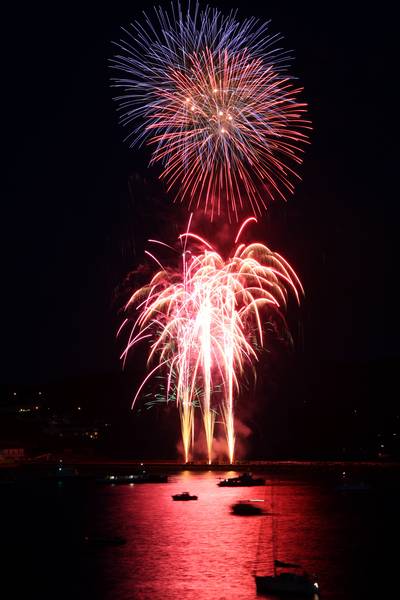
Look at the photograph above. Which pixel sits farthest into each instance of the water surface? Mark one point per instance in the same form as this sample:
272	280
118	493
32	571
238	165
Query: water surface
195	550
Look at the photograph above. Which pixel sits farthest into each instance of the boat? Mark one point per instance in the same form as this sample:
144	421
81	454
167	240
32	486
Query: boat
184	496
104	541
60	472
351	485
117	479
113	479
244	480
152	478
247	508
287	583
288	579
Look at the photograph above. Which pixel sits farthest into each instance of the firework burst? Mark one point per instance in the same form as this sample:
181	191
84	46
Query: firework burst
212	97
204	324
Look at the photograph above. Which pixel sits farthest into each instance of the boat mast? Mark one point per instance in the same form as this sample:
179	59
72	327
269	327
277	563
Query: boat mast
274	530
261	535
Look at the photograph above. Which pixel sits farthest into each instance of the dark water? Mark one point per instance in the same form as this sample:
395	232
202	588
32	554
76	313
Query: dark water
196	550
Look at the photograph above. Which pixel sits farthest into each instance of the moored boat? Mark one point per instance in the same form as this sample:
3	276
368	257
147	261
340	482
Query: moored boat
60	472
247	508
353	486
244	480
152	478
287	579
184	496
349	484
287	583
115	479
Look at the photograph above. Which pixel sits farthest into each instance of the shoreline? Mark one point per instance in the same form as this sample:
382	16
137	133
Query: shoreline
168	466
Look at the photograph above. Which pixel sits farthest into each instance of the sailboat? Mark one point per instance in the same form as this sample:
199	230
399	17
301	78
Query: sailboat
287	582
288	579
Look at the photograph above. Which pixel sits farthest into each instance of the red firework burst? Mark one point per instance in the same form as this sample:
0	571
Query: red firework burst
228	131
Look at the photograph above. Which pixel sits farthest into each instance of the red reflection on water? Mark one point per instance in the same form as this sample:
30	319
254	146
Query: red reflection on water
199	550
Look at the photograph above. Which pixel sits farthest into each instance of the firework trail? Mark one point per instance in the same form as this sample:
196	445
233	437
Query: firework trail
212	97
204	323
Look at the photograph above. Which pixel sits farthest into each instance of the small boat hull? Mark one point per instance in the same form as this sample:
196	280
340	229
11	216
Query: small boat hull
286	584
131	479
246	509
183	497
245	480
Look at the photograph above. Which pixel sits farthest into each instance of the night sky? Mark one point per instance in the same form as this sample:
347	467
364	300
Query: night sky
78	204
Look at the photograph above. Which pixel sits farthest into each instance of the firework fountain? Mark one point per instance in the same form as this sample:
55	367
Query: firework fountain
212	98
202	321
